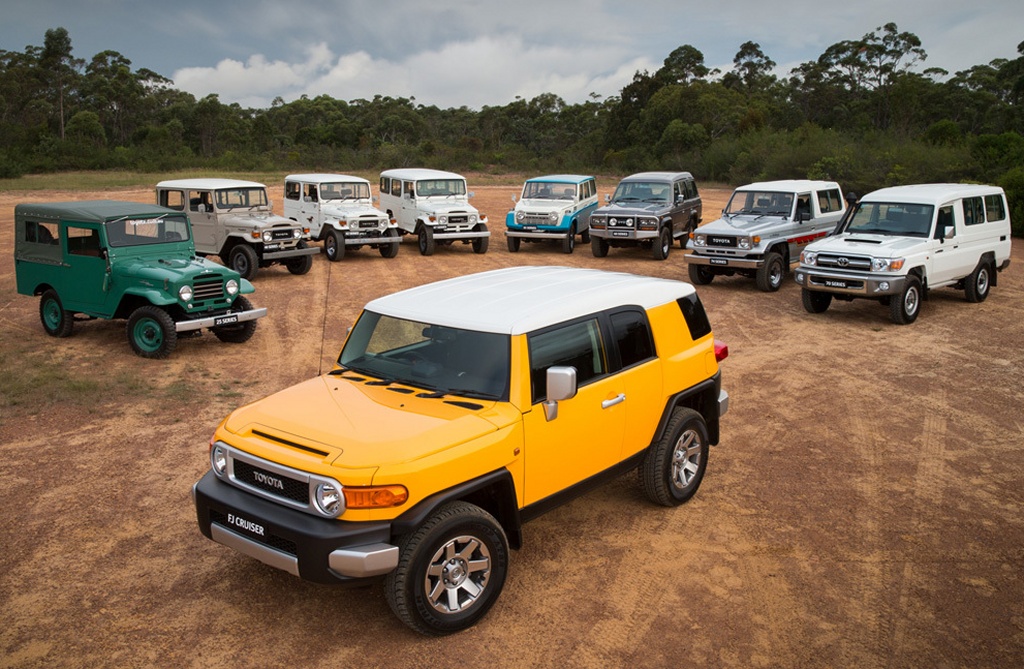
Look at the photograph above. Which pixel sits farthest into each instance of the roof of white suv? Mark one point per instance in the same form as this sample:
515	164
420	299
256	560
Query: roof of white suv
789	185
208	184
416	173
324	178
517	300
936	194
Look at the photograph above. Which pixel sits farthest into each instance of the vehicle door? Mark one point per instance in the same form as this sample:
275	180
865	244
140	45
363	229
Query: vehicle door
406	191
949	256
585	437
680	209
201	212
85	283
309	208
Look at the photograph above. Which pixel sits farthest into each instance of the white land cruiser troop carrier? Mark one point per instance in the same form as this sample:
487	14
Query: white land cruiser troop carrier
232	219
434	206
902	241
339	211
763	229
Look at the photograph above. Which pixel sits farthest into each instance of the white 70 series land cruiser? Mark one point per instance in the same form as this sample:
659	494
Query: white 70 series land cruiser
763	229
434	206
339	211
901	241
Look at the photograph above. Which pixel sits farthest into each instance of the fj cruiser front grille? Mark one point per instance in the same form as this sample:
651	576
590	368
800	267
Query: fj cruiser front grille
208	288
272	483
837	261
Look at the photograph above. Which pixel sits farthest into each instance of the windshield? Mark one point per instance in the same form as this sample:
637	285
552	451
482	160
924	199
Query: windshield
904	220
445	360
762	203
430	187
144	231
233	198
642	191
347	190
547	190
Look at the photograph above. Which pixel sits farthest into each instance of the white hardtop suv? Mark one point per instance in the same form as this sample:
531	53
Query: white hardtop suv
434	206
763	229
233	219
899	242
339	211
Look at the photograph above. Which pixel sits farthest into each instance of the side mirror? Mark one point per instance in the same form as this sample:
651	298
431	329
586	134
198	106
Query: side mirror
561	385
514	198
607	197
803	216
202	209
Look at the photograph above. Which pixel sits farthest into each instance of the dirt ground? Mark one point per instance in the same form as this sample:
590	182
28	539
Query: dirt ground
862	510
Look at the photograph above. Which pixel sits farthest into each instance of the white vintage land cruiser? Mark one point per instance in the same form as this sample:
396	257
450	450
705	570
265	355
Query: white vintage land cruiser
555	207
434	206
232	219
763	229
902	241
339	211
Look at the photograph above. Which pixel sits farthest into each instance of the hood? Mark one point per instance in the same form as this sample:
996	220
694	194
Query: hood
259	219
442	206
159	266
350	209
631	208
743	224
879	246
536	205
360	426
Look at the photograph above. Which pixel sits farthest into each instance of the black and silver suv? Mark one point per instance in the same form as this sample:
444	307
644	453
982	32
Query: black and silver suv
648	209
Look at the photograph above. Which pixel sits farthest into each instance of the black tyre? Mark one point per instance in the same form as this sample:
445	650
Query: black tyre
771	273
243	260
978	283
239	333
301	264
425	237
390	250
450	570
815	301
700	275
151	332
480	244
585	236
569	241
513	244
598	246
334	245
903	308
673	468
56	321
661	248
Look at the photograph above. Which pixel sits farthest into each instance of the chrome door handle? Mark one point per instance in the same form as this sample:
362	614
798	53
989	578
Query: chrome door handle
621	397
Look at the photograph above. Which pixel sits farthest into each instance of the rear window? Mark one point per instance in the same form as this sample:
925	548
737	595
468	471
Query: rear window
696	318
995	208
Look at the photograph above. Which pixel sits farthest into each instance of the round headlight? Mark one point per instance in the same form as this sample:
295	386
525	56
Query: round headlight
553	217
268	236
700	240
231	286
520	216
743	243
613	221
328	499
218	459
296	233
442	219
472	218
185	293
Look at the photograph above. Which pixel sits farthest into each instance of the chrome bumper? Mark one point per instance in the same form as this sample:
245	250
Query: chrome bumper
848	283
223	319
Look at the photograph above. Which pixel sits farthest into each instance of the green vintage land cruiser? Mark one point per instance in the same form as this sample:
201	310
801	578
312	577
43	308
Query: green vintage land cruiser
109	259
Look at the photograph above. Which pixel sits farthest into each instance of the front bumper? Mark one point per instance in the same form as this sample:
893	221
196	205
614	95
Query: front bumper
291	253
625	235
849	283
315	549
537	234
462	235
223	319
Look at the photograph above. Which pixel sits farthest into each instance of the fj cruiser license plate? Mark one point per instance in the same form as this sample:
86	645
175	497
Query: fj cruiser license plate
718	261
225	320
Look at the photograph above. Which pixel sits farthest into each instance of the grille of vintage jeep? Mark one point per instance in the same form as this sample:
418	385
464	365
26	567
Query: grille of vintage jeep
208	288
457	219
621	221
268	539
282	233
843	261
271	483
369	222
530	218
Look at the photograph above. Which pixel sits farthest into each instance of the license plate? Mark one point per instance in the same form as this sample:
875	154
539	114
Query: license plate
620	233
529	228
718	261
833	283
225	320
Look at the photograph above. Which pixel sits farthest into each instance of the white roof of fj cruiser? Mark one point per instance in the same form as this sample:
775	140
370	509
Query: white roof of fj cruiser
789	185
936	194
517	300
325	178
208	184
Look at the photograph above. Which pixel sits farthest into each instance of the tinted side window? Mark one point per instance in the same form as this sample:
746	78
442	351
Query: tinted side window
995	209
691	189
292	189
385	185
696	318
632	336
974	211
576	345
409	189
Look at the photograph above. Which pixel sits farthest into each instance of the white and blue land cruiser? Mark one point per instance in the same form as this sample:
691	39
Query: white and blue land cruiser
553	207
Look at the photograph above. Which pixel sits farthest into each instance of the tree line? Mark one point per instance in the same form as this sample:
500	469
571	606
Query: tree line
866	113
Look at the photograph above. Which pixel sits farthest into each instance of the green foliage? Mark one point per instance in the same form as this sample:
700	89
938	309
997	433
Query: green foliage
1013	183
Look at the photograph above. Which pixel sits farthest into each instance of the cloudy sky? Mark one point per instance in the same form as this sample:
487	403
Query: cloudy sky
454	53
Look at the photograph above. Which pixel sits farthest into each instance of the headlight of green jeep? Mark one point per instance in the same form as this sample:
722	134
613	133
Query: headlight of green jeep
231	286
185	293
328	499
